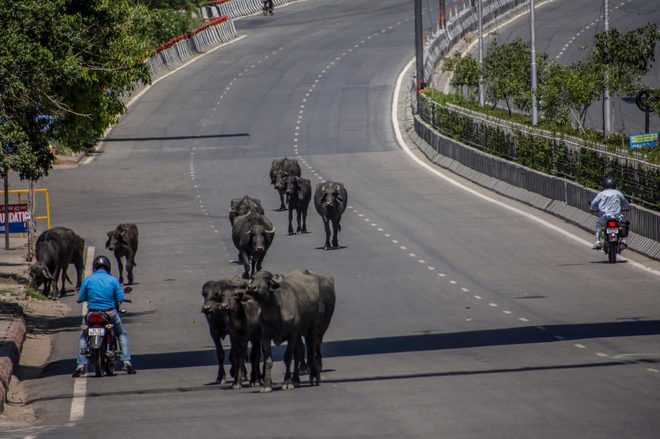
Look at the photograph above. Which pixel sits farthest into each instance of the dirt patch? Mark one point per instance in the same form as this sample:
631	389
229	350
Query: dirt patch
41	317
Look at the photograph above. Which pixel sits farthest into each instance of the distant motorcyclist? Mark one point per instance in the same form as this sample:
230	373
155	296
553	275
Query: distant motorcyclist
102	292
608	203
268	5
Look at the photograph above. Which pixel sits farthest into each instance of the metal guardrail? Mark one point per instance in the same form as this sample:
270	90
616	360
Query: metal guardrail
237	8
178	50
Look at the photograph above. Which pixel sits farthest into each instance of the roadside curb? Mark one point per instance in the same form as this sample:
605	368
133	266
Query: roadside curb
12	336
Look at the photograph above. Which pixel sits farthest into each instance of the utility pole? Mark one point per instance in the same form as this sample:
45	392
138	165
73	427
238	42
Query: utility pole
607	119
443	20
482	98
535	113
419	46
6	175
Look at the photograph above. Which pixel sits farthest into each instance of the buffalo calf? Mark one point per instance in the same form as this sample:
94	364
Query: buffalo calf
123	241
298	195
330	200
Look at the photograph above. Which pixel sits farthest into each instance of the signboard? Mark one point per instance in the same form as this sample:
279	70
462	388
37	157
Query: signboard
648	140
18	218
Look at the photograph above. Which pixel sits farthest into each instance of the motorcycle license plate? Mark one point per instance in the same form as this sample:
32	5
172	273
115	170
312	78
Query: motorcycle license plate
95	331
612	231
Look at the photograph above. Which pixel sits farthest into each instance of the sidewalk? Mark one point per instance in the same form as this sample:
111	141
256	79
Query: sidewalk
13	273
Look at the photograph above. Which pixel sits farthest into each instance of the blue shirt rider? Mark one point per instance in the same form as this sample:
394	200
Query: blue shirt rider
608	203
102	292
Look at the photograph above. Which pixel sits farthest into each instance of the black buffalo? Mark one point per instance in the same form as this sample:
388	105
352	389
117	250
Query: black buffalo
280	170
56	248
294	306
298	195
243	327
241	206
123	241
228	313
252	234
330	200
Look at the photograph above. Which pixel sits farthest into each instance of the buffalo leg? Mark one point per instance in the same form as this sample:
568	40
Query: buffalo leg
220	353
304	219
79	270
120	267
288	356
260	260
335	231
326	224
63	286
255	356
268	365
245	259
282	205
290	219
238	361
298	215
130	263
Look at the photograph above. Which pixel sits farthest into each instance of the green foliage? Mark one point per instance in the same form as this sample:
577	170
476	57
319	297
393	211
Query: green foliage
552	156
626	57
506	72
166	19
63	67
466	71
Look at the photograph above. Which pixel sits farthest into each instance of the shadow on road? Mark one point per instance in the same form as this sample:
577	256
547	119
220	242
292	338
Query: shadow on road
406	343
192	136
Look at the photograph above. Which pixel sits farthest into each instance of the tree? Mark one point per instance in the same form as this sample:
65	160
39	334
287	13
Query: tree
466	71
553	93
507	72
626	57
64	65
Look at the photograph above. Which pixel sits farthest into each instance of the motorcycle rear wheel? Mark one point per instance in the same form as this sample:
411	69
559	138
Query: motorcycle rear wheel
611	252
97	359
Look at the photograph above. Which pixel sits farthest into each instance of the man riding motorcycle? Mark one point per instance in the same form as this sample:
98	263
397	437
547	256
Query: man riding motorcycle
102	292
268	5
608	203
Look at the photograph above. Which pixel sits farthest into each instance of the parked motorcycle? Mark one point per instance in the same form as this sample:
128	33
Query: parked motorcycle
103	348
612	234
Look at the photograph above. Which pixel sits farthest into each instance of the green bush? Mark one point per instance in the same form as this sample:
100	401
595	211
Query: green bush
585	166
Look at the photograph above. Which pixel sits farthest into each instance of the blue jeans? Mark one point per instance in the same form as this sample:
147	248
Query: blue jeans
119	332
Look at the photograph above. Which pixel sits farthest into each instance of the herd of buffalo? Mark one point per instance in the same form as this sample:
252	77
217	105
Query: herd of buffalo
257	308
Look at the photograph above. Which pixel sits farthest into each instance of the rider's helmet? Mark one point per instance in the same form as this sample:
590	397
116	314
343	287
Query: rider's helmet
101	262
608	183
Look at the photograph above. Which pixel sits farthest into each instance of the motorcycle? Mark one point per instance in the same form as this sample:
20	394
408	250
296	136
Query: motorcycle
612	234
103	348
268	8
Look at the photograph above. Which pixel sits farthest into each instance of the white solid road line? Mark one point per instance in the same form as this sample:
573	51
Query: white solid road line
450	180
80	384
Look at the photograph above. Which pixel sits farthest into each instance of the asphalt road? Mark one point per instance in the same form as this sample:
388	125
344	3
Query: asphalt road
455	318
565	31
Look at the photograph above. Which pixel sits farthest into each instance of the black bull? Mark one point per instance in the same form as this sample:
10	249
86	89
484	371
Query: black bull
280	170
252	234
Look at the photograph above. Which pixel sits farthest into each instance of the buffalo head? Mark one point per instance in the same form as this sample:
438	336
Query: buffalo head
116	239
262	284
212	297
259	238
39	274
331	195
281	180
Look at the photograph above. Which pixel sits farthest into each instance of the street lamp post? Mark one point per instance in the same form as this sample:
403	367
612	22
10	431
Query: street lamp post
535	114
419	45
607	105
482	98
